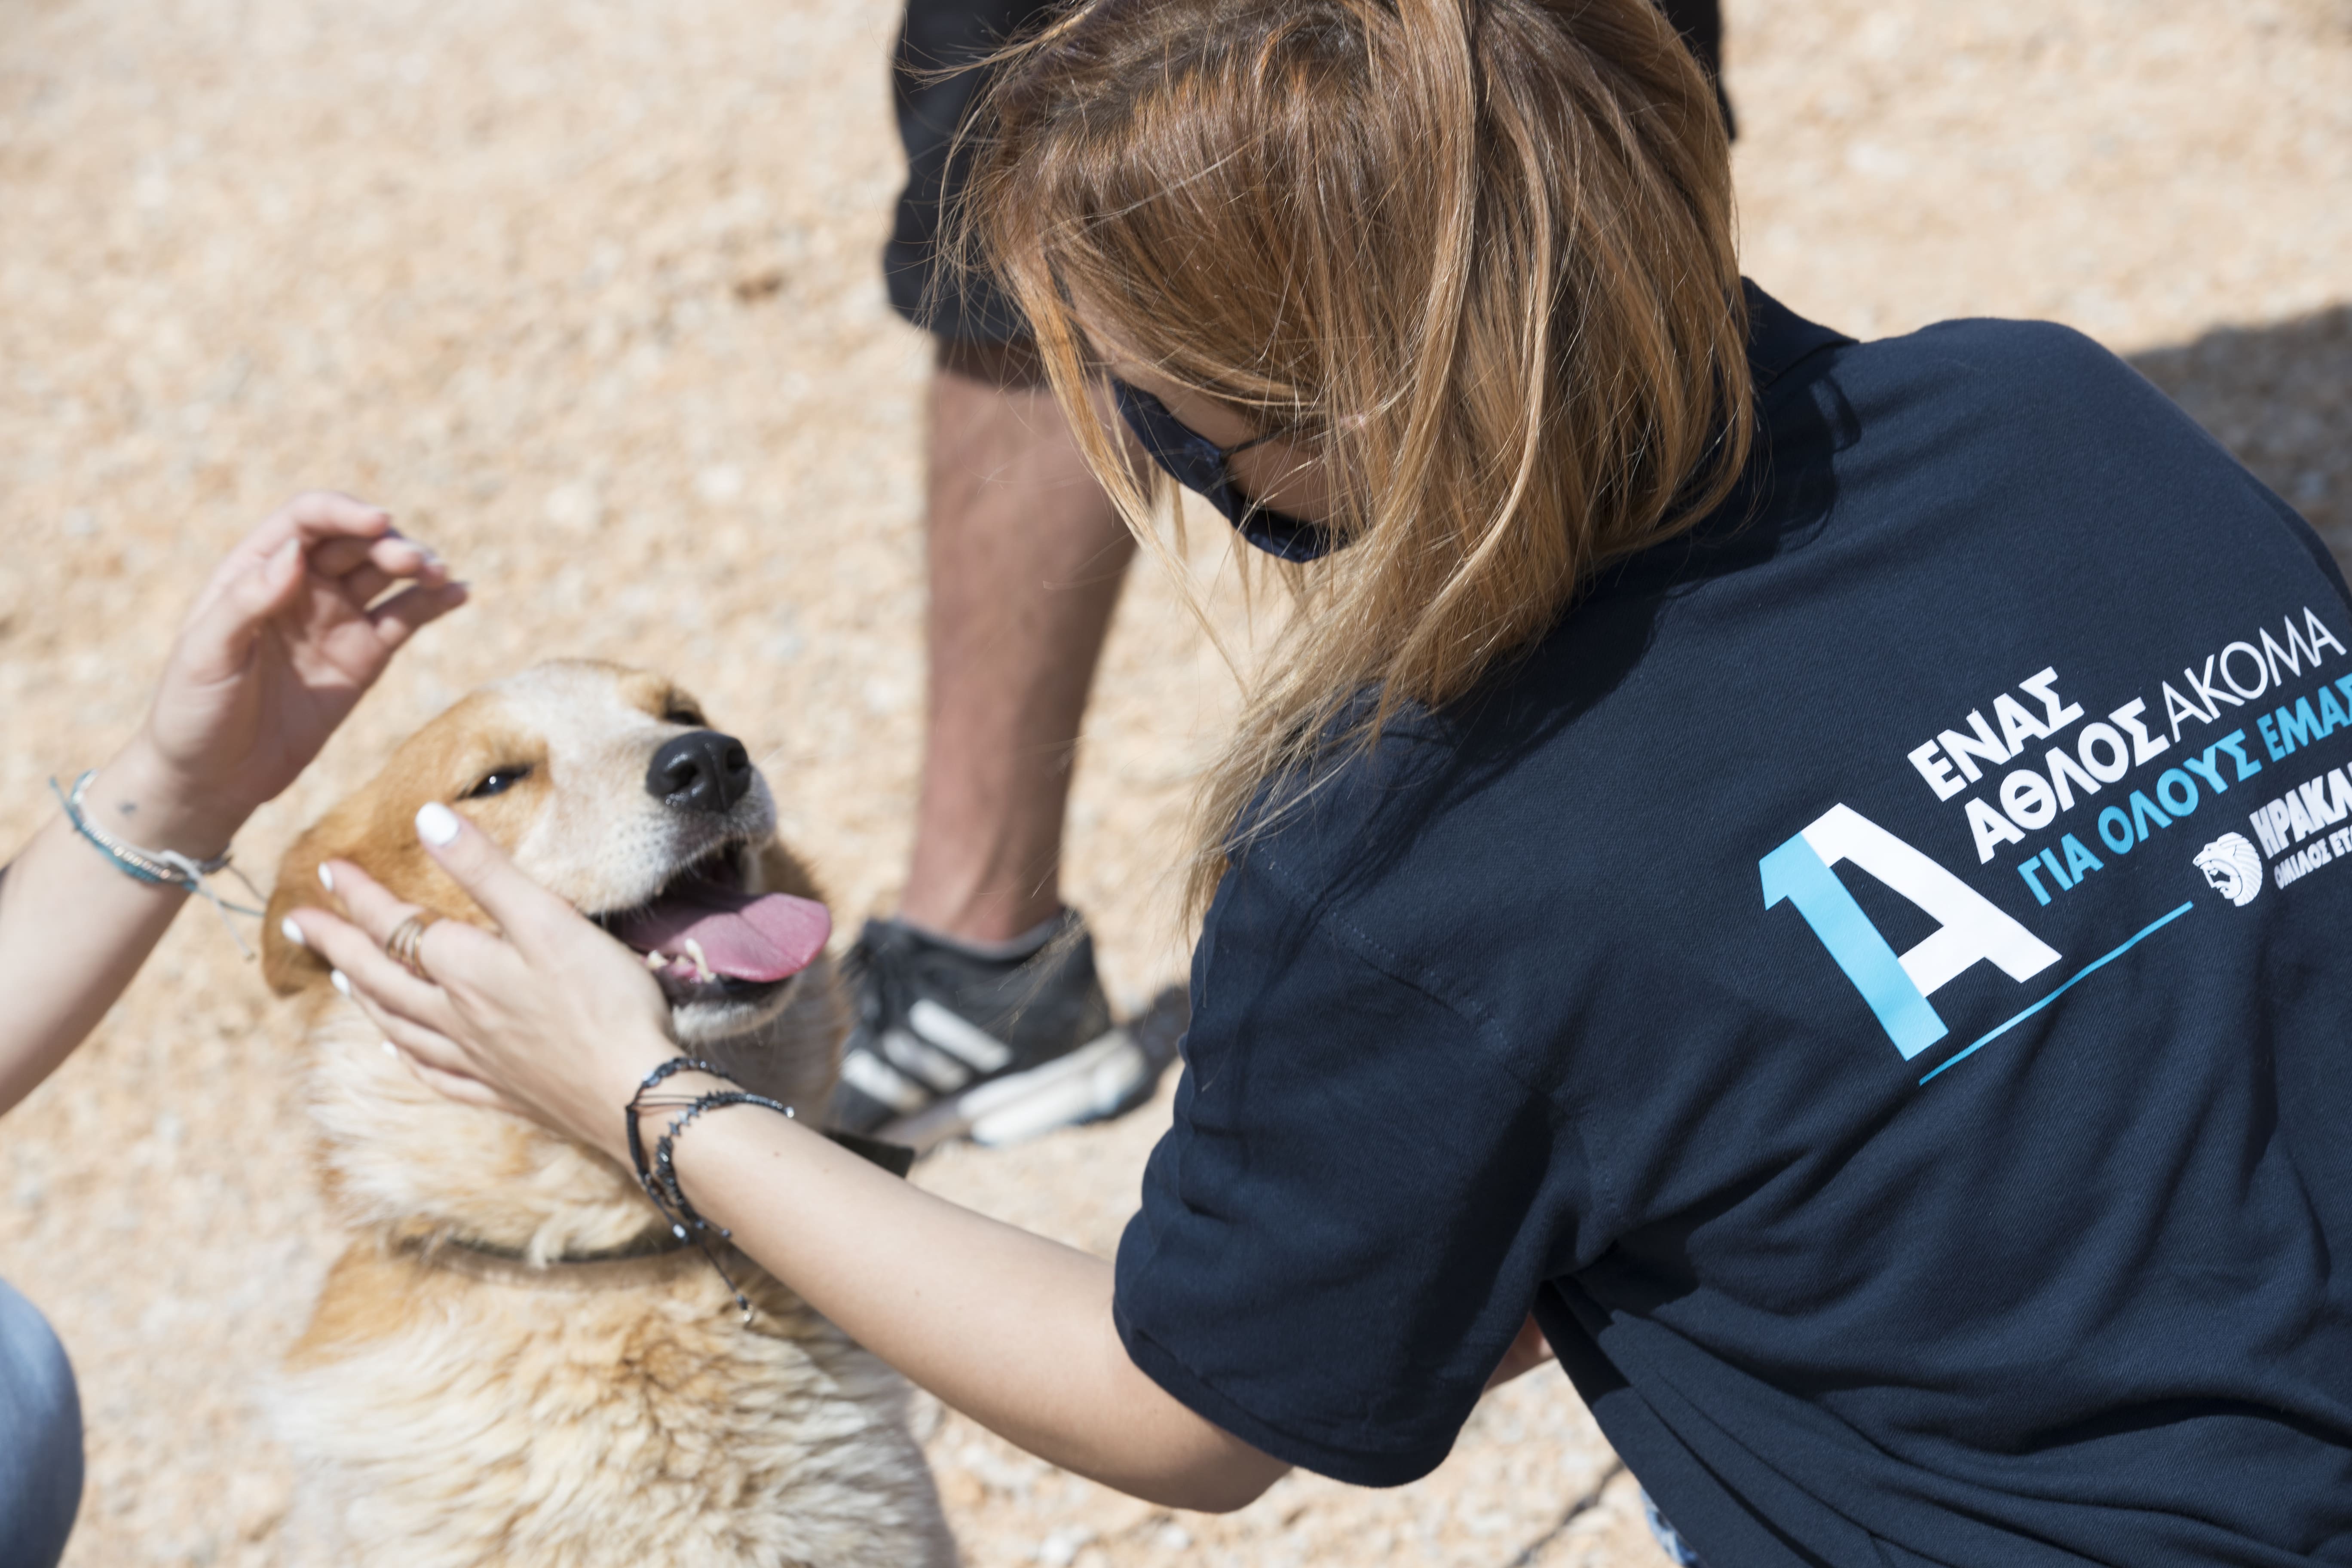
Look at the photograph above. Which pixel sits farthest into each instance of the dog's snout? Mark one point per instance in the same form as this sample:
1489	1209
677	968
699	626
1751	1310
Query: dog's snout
703	771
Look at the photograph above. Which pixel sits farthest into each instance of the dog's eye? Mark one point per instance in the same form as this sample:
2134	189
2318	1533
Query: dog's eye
499	781
683	715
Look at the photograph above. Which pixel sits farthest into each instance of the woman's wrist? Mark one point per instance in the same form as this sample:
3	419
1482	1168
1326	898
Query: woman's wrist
140	799
700	1155
673	1107
654	1110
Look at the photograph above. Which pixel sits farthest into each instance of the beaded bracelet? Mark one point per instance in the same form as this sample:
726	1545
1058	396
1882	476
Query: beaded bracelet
660	1177
658	1174
665	1166
637	1102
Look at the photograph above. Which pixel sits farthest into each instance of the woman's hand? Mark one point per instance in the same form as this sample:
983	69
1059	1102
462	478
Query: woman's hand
554	1019
282	642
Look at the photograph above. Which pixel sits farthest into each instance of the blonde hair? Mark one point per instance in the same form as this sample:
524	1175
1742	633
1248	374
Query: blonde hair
1479	252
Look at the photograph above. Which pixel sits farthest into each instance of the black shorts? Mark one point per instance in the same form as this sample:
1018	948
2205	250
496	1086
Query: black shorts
939	36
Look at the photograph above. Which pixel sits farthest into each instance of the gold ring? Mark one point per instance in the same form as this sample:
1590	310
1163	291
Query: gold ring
402	944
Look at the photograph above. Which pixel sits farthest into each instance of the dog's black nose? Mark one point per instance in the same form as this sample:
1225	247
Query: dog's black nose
704	771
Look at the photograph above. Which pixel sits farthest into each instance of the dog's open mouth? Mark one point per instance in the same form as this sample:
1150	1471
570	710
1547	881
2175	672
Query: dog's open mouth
703	936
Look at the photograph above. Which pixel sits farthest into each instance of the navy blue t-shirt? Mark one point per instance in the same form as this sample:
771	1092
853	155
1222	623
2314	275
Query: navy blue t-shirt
1870	982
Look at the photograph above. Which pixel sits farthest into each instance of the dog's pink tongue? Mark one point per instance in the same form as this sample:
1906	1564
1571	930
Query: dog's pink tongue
741	936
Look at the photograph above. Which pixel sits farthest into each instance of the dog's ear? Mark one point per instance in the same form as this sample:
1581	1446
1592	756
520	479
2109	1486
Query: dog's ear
286	966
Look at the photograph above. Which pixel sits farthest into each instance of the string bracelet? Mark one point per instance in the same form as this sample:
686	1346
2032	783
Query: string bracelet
658	1176
682	1211
665	1165
163	868
638	1103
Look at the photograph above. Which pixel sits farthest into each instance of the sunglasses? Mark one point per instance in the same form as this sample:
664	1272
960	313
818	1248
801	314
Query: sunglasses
1200	466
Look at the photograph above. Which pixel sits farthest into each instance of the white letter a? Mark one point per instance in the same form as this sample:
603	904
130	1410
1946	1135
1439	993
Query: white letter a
1973	928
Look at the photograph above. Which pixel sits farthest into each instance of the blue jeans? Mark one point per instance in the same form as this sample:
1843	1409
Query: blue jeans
1669	1540
40	1438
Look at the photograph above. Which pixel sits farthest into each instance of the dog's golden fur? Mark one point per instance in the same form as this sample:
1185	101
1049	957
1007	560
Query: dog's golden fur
462	1398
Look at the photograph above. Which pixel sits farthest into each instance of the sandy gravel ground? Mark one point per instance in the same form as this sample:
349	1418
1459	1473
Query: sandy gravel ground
588	292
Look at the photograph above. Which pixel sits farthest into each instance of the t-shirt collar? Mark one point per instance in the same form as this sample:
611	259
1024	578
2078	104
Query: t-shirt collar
1777	337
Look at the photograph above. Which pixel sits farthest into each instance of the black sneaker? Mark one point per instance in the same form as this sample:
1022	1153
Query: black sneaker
951	1044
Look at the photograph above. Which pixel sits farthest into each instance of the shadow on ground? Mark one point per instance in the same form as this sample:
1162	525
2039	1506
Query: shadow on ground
2281	398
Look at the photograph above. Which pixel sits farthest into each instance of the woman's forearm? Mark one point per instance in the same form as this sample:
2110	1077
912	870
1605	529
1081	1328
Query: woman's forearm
74	928
1009	1328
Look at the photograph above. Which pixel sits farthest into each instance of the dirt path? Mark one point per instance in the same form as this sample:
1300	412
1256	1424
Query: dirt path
588	292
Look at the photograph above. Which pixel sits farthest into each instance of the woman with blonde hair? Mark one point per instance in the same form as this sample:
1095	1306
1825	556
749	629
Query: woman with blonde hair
1710	868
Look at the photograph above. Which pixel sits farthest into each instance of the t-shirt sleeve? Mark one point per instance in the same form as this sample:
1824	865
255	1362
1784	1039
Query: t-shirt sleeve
1356	1205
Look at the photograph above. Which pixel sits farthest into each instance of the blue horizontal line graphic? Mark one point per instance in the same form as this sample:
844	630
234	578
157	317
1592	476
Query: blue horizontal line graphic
2144	933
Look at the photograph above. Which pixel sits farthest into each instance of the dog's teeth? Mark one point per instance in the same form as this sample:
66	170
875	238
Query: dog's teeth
656	960
702	970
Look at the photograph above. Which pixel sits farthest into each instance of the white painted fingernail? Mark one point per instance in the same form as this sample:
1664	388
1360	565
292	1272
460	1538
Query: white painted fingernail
436	824
326	878
342	985
290	932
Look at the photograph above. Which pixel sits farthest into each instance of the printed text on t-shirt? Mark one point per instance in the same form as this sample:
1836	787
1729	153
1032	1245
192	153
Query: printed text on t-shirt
2103	750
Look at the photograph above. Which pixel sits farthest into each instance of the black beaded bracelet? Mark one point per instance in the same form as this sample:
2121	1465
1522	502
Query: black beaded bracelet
658	1174
637	1102
660	1177
665	1166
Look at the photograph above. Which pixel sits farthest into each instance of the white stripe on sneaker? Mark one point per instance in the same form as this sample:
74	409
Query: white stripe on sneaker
959	1035
869	1076
1090	1082
938	1069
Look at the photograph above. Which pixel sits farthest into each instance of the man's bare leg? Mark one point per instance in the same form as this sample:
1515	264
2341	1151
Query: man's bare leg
1025	555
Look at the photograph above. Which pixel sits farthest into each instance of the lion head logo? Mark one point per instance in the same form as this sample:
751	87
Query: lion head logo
2233	866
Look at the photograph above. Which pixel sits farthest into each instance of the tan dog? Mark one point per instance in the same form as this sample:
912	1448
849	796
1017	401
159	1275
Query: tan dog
510	1365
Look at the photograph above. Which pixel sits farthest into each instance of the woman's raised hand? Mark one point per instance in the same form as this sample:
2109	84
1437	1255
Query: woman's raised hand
549	1018
284	639
287	634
